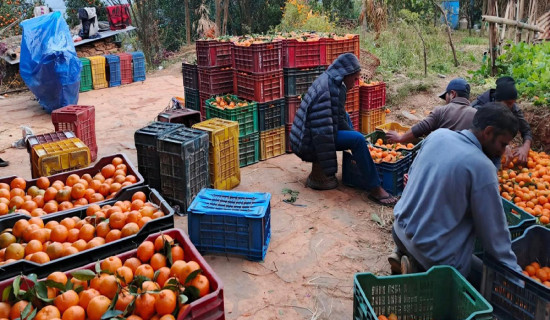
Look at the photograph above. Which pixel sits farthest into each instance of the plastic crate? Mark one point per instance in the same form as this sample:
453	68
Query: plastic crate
298	81
375	135
258	58
372	97
297	54
272	143
292	105
131	170
334	48
113	70
271	115
512	294
183	155
439	293
215	80
213	53
352	100
99	77
100	252
249	149
393	126
354	117
145	140
288	127
259	87
187	117
246	116
192	99
126	74
203	97
81	121
86	83
235	223
138	65
190	74
223	156
371	119
59	156
390	174
47	138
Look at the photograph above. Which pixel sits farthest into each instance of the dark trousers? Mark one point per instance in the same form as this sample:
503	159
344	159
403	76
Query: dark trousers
401	250
355	141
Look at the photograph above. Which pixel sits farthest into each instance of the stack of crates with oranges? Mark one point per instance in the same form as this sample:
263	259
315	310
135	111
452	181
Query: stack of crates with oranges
372	97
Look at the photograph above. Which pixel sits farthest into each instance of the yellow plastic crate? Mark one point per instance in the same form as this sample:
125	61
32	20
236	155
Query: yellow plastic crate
272	143
99	78
60	156
393	126
371	119
225	172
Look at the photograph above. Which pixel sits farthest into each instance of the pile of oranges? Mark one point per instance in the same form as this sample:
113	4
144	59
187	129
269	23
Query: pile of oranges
38	242
380	155
538	273
528	187
392	316
363	83
148	286
53	196
393	146
228	102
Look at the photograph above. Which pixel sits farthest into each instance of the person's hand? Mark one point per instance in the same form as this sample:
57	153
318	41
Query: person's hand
522	153
508	155
393	136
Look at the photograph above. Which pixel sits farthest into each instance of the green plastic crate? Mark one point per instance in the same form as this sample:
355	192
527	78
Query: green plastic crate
440	293
86	75
247	117
249	149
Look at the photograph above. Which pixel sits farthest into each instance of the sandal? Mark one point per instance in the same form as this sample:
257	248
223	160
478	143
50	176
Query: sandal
379	200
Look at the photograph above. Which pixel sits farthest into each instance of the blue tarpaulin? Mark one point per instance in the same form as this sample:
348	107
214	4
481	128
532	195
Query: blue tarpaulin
49	64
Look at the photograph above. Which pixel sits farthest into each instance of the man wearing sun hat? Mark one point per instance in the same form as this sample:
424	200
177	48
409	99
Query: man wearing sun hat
455	115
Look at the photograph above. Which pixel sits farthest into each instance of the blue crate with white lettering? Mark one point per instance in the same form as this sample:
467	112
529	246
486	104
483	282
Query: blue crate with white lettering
230	222
113	70
138	60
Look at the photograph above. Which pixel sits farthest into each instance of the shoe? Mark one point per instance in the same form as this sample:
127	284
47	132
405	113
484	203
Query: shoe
319	181
4	163
395	263
406	265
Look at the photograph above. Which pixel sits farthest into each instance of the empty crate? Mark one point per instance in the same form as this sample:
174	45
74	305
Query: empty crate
81	121
298	81
272	143
190	76
126	74
249	149
138	66
60	156
187	117
86	83
192	99
113	70
98	72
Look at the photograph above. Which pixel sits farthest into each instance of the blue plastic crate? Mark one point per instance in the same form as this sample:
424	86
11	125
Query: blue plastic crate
113	70
138	60
229	222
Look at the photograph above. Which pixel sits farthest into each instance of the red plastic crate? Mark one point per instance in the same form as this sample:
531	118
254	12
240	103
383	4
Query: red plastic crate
287	135
335	48
213	53
259	87
352	100
203	97
292	105
354	117
372	97
262	57
126	73
81	121
297	54
216	80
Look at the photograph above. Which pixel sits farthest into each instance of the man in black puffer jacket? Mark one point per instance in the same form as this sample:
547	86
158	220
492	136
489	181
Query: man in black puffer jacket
321	128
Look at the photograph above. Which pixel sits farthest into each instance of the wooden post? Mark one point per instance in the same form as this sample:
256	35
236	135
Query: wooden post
483	11
519	16
493	37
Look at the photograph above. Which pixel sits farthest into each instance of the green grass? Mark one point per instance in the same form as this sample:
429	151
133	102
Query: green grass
473	40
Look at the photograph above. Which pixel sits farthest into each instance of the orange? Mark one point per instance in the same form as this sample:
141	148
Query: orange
145	306
145	270
104	189
43	183
177	268
59	233
17	308
86	296
97	307
134	317
113	235
42	235
72	235
4	193
167	317
4	186
68	223
137	204
95	242
16	202
131	179
33	246
39	200
530	270
4	209
147	211
129	229
108	286
111	264
55	250
117	220
117	160
132	263
145	251
63	195
40	257
121	167
79	283
18	183
125	273
51	224
143	221
124	299
149	286
382	317
5	310
99	177
119	178
177	253
19	227
108	170
47	313
160	240
80	244
74	313
78	191
190	267
29	205
50	207
133	216
139	195
542	275
26	235
157	215
65	205
166	302
86	232
72	180
163	275
102	229
202	284
69	251
35	220
92	209
115	187
158	260
50	194
80	202
14	251
544	220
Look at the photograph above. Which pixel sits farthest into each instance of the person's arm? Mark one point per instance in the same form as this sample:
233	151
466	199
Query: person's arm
406	137
490	223
428	124
343	120
525	129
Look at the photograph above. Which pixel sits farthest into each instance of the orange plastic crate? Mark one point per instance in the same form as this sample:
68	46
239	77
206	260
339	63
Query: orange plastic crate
371	119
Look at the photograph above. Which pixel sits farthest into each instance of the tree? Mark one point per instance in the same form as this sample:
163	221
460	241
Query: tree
187	22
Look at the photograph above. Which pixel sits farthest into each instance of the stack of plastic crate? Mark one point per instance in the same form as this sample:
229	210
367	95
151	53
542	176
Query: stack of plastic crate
372	98
81	121
191	85
60	156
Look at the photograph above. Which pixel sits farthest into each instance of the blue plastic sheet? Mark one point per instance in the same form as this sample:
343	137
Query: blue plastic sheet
48	63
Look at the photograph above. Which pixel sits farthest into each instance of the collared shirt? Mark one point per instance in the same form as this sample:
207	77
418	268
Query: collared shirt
451	199
457	115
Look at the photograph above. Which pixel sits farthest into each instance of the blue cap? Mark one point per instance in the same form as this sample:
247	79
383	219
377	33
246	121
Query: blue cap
458	84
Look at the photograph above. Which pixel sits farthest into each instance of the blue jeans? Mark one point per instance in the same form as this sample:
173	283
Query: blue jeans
355	141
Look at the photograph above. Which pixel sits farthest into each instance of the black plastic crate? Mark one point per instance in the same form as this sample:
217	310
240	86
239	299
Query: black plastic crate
183	155
249	149
298	81
190	76
271	114
97	253
192	99
145	140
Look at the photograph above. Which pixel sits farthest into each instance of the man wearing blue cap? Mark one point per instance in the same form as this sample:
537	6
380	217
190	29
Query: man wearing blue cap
456	115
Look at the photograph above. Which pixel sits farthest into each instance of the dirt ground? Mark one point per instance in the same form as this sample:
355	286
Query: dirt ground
316	246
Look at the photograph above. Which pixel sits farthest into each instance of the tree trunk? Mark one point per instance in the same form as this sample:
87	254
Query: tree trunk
519	31
245	15
218	17
448	31
483	12
225	16
424	47
493	37
187	22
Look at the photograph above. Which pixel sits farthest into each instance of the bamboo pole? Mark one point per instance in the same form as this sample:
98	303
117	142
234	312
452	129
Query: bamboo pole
493	38
493	19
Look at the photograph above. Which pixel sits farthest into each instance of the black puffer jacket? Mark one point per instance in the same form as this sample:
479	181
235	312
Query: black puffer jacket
322	114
